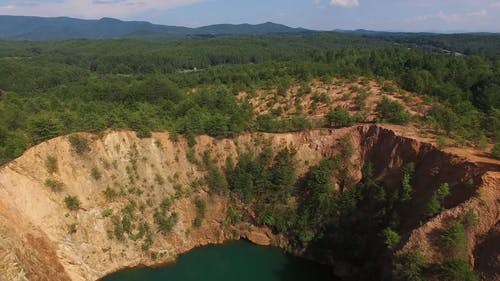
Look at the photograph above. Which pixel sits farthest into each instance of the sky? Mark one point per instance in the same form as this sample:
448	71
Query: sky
386	15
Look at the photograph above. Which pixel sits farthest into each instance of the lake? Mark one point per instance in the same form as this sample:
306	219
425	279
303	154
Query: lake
238	260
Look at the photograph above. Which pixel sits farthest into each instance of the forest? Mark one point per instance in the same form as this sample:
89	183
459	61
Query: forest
190	86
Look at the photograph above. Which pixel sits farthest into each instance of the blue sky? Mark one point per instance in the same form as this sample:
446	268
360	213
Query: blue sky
391	15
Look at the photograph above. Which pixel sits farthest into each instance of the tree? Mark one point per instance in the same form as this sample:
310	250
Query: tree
434	205
456	269
216	180
495	153
410	266
392	112
455	239
391	238
339	117
45	127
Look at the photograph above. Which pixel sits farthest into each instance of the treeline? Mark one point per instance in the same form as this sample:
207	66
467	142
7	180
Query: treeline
53	88
485	44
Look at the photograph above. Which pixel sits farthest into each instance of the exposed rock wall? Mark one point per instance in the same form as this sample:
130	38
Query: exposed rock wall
41	240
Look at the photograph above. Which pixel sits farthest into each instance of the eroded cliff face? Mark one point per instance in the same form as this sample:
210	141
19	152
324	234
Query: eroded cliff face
40	239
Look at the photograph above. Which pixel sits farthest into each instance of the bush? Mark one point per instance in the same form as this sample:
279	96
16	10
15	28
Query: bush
106	213
51	164
339	117
392	112
470	219
200	212
95	173
54	185
143	133
72	203
79	144
165	223
191	156
110	193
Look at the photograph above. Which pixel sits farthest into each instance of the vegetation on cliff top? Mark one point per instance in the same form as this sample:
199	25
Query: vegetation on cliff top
50	89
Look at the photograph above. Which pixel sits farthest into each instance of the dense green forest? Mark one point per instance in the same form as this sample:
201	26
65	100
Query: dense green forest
53	88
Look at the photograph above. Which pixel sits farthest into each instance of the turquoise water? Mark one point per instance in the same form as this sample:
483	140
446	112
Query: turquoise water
241	261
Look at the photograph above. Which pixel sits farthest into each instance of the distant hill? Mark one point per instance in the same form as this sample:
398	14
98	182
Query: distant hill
61	28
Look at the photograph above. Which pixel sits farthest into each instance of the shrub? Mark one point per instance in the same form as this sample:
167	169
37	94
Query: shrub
159	179
54	185
95	173
143	133
117	227
51	164
106	213
441	142
470	219
110	193
200	212
304	89
165	223
166	204
79	144
320	98
72	203
191	156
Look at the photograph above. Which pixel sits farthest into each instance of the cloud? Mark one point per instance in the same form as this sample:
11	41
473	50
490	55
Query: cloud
449	18
345	3
496	4
90	8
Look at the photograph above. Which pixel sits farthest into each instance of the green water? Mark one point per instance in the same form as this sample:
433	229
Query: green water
239	261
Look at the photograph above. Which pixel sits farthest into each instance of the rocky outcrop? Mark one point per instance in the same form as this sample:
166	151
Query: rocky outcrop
40	239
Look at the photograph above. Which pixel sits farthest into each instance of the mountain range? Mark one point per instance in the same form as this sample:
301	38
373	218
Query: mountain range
62	28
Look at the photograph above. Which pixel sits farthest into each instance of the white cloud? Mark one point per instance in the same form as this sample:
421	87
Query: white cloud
91	8
445	17
345	3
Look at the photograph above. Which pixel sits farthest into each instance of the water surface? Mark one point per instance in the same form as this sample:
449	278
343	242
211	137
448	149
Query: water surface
239	261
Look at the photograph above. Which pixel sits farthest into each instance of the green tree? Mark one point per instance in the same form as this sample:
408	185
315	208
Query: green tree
410	266
339	117
495	153
391	238
455	239
456	269
392	112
